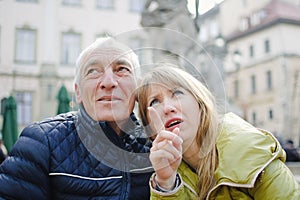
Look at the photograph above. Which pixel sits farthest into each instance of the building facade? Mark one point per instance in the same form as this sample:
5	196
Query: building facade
253	46
41	39
262	61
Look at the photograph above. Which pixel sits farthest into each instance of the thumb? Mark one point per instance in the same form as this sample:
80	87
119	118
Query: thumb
177	143
176	131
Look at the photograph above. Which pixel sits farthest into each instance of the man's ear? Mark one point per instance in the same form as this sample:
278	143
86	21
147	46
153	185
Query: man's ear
77	93
138	81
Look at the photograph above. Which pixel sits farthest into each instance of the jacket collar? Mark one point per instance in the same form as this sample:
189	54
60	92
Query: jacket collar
127	153
244	151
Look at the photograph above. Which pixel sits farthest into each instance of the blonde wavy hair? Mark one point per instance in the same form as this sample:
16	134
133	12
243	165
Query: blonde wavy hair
171	76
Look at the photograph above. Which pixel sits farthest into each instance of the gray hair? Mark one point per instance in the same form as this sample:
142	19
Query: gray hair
89	55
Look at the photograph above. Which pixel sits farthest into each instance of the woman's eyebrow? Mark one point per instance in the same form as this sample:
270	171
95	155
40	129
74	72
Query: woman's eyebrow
151	97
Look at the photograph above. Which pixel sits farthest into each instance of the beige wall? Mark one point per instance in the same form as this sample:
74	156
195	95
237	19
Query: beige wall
283	61
51	19
233	10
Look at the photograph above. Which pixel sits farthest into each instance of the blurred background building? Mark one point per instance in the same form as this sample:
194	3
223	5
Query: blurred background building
254	44
261	60
40	41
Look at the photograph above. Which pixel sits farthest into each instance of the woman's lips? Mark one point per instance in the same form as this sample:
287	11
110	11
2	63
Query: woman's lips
173	123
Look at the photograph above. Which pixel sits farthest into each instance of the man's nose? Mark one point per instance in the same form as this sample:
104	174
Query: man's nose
108	80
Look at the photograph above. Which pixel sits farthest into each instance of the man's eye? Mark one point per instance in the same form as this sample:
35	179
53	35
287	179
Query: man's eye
153	102
91	71
123	69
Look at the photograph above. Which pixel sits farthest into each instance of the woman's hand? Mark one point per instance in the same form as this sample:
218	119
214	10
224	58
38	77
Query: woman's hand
166	152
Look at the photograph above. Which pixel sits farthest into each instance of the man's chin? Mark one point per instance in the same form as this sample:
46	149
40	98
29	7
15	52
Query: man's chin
113	117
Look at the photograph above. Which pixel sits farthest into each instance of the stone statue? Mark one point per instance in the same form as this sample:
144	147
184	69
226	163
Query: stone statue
158	13
171	29
172	33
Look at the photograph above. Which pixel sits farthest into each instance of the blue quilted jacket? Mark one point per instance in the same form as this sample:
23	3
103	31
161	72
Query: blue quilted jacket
71	156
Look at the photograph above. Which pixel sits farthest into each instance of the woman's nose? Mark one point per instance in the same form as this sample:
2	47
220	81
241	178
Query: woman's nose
169	107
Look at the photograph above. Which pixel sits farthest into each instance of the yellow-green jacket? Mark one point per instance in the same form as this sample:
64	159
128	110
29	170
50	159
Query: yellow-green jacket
251	166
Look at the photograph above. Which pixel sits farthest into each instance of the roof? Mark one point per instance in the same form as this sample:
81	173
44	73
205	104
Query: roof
277	11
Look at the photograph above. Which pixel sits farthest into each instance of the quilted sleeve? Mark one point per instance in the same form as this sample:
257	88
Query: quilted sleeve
24	174
276	182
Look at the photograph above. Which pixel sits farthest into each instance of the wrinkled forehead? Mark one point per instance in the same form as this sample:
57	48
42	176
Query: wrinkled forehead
107	57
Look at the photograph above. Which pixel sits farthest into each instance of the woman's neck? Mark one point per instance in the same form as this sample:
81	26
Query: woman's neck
191	156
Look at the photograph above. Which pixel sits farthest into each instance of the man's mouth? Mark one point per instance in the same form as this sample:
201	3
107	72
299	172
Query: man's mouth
107	99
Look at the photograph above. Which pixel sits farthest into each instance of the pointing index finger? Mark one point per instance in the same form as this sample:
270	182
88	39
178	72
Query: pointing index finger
155	121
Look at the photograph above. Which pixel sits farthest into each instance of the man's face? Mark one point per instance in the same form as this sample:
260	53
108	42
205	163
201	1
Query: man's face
107	88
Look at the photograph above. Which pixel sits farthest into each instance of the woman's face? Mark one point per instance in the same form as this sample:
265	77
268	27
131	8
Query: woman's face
177	108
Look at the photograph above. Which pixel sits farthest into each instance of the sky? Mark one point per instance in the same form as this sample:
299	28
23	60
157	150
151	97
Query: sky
204	5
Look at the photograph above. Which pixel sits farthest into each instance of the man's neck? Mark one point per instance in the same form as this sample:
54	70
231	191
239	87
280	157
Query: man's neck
117	126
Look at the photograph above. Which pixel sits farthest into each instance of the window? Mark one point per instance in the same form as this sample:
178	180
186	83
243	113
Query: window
103	34
269	80
253	84
29	1
267	46
251	51
256	17
236	88
254	118
237	58
71	2
203	36
3	100
49	92
0	44
214	29
244	23
137	5
70	47
105	4
25	51
24	107
270	114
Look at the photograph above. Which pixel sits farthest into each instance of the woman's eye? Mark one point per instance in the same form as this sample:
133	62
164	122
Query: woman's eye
177	92
153	102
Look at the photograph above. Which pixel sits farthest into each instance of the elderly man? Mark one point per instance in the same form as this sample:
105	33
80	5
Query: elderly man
98	152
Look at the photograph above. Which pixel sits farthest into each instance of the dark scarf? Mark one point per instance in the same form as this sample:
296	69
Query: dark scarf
130	152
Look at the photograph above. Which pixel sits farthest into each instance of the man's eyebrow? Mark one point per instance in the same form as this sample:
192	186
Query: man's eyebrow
122	62
91	63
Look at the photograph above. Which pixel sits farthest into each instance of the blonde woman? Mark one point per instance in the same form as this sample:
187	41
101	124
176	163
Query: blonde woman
198	155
